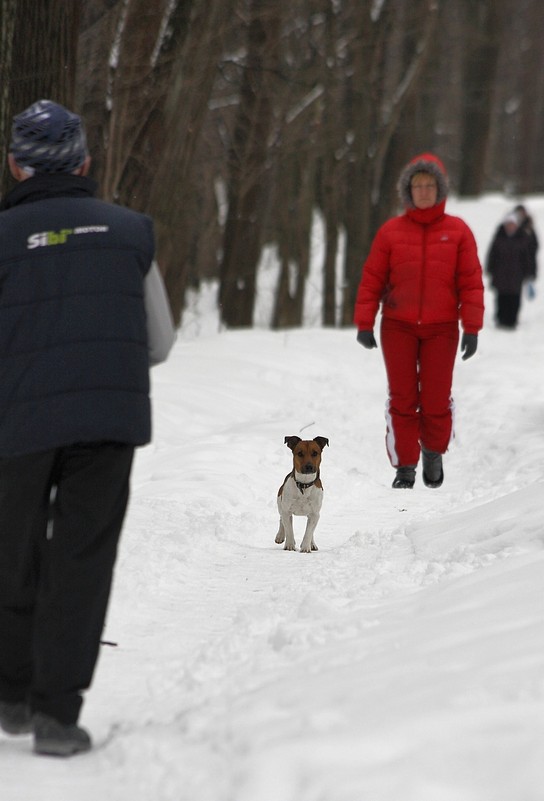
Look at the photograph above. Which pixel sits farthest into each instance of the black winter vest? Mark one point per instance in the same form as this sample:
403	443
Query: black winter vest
73	338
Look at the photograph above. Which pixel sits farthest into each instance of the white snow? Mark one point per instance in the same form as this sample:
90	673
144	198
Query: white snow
403	661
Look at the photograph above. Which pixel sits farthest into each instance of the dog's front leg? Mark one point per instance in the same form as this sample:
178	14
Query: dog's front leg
287	523
308	544
280	536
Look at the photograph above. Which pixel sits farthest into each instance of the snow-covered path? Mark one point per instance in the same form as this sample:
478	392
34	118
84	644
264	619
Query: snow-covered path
403	660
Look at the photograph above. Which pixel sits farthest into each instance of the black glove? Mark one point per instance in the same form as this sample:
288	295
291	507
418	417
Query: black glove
366	339
469	345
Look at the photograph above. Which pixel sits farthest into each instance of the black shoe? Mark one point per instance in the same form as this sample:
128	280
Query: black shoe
53	738
15	718
405	478
433	473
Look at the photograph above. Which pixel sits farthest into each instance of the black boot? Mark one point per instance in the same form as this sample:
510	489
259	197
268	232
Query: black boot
433	473
53	738
15	718
405	478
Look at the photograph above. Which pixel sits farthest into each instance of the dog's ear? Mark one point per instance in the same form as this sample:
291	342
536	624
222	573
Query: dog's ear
292	442
321	441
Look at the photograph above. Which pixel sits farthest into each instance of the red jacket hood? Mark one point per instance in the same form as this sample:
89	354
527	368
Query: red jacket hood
425	162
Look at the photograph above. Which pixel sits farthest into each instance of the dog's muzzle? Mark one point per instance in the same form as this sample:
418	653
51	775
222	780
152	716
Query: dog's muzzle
308	468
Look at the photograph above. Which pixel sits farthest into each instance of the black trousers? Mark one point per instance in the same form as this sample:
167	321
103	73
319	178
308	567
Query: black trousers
61	514
507	310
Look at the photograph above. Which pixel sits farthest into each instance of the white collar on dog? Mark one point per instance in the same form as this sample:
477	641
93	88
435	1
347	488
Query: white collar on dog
304	480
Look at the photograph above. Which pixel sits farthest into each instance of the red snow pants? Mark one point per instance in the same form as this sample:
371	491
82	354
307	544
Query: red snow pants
419	362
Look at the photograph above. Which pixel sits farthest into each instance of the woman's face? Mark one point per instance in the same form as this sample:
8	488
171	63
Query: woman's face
424	190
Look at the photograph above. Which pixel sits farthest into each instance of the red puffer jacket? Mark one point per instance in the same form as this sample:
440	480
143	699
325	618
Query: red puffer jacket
423	266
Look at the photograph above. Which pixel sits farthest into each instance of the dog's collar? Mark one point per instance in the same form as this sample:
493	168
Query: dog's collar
302	485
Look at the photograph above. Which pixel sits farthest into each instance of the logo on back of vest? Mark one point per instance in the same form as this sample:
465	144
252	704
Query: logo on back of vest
50	238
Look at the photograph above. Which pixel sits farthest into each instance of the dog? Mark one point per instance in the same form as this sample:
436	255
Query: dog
302	492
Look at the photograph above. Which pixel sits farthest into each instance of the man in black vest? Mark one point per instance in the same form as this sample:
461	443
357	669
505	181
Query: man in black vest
83	314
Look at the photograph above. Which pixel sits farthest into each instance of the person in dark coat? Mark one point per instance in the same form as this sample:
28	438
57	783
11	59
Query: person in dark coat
83	315
527	226
511	261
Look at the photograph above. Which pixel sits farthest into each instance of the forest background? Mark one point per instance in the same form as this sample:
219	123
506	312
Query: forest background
236	123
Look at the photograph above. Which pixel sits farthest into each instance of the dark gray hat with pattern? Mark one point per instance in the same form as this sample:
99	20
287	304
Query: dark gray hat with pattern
47	138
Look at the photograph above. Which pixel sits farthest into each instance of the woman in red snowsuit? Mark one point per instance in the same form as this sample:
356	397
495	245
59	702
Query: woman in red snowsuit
423	268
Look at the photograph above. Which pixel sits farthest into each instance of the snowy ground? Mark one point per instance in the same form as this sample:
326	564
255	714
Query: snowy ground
404	661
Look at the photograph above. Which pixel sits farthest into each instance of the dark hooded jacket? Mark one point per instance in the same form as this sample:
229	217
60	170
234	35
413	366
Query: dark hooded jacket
74	363
510	261
423	266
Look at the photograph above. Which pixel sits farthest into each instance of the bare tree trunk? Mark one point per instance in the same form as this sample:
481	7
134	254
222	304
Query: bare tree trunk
330	209
8	11
38	57
294	221
530	82
483	45
330	174
248	168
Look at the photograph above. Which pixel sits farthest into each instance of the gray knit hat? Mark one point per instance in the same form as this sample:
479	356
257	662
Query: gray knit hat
47	138
429	163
